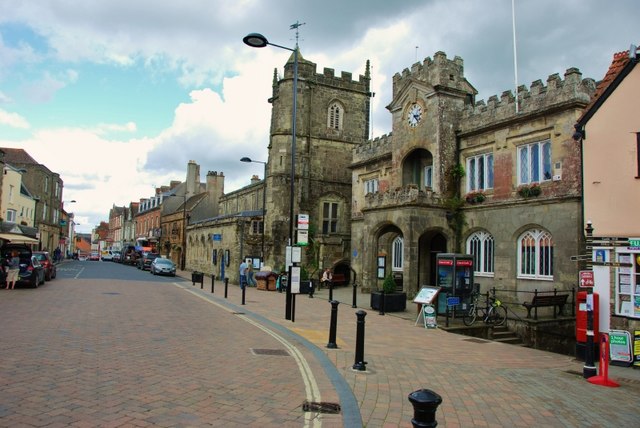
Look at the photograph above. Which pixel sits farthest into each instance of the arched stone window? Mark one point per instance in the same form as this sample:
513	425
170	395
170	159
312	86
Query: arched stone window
397	254
335	116
481	245
535	255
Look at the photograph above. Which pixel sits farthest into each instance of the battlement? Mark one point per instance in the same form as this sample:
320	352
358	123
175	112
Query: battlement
439	71
373	148
537	98
308	70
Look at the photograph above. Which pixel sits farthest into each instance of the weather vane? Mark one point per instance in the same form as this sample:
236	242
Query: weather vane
295	27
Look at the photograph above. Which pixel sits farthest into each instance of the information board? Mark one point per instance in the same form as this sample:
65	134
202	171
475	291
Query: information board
426	295
620	347
636	348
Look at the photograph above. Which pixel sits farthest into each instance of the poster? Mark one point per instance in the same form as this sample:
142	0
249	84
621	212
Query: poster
620	347
636	348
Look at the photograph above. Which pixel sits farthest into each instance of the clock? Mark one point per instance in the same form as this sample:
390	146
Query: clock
414	115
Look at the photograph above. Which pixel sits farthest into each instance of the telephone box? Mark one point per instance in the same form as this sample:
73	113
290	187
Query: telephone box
581	323
455	278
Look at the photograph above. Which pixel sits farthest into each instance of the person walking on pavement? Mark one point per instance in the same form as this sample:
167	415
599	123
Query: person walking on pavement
243	274
14	270
250	281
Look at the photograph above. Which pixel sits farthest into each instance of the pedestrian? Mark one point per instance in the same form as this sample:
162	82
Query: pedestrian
14	270
251	282
327	278
243	274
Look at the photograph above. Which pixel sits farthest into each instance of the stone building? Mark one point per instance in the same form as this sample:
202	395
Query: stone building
494	180
332	119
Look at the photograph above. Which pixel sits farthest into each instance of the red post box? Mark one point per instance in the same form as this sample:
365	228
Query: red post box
581	323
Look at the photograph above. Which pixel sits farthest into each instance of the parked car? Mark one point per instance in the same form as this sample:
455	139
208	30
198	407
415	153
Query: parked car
162	266
50	270
106	256
31	271
131	256
116	256
144	262
94	256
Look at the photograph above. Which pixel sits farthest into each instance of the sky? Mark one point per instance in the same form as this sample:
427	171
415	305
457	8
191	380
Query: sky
117	96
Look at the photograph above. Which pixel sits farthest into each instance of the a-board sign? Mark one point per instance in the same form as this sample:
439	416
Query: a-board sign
426	295
620	347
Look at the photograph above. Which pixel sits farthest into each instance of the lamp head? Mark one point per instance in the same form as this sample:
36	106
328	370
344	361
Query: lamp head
245	159
255	40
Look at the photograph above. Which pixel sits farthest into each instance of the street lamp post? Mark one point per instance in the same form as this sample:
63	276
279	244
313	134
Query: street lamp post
256	40
264	199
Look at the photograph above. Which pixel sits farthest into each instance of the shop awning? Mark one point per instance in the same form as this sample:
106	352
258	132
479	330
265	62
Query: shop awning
12	237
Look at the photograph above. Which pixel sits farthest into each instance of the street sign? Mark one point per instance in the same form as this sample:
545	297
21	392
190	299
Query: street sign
612	264
303	237
303	221
586	278
581	257
453	301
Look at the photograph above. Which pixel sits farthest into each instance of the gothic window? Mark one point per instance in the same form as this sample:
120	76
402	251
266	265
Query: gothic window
329	218
535	255
480	172
397	254
534	162
480	245
428	176
335	116
257	227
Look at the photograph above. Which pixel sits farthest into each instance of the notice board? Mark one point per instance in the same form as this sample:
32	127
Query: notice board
620	347
426	295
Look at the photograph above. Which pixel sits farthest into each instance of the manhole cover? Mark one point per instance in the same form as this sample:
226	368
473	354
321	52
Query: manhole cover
320	407
477	340
276	352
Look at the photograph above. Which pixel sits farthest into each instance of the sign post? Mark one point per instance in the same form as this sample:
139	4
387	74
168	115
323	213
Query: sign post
427	311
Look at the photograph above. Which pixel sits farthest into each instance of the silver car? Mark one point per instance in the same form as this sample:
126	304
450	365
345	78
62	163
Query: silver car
162	266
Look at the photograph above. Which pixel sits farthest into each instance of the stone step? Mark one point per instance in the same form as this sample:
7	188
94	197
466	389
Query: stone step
503	335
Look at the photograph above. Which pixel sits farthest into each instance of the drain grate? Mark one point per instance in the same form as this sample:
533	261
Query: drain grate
477	340
237	313
333	408
276	352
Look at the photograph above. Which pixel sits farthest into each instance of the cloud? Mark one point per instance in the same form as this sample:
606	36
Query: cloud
13	120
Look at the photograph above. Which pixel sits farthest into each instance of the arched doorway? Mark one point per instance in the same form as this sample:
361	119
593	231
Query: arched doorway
390	248
431	243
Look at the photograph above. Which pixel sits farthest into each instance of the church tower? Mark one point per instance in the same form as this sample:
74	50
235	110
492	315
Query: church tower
332	118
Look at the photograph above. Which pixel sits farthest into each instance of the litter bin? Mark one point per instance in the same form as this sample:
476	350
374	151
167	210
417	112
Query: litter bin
197	277
266	280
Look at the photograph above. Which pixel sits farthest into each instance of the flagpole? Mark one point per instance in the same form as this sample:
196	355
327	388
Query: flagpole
515	53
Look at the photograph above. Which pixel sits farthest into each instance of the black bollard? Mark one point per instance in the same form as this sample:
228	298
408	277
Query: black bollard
334	323
244	289
213	282
360	364
355	299
425	403
381	305
202	282
226	287
330	290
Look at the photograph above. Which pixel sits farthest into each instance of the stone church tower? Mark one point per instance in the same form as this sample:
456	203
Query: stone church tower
332	118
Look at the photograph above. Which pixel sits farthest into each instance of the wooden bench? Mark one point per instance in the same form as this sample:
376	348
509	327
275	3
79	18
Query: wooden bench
546	300
339	279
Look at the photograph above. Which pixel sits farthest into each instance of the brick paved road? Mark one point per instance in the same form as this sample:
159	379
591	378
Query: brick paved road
115	353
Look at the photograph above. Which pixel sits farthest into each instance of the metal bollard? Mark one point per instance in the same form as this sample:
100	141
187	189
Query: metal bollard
425	403
213	282
355	299
334	323
244	289
360	364
381	305
330	290
226	287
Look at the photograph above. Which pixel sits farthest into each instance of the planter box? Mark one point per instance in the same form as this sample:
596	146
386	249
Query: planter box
394	302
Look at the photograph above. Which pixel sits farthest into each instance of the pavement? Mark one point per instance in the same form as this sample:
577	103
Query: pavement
482	383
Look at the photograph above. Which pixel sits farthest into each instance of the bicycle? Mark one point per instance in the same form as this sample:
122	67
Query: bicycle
494	313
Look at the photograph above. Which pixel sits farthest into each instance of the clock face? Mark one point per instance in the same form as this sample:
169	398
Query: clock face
415	115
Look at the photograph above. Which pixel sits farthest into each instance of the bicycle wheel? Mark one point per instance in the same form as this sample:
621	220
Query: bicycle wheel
498	315
470	316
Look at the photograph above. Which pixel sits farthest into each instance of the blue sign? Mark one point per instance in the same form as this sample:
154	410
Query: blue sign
453	301
217	236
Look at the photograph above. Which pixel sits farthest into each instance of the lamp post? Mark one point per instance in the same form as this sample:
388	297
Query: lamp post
264	199
256	40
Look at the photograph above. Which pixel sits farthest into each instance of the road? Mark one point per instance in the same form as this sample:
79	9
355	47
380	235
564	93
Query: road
105	344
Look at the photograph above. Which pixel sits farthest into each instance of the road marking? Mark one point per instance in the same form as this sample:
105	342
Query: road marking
79	272
311	386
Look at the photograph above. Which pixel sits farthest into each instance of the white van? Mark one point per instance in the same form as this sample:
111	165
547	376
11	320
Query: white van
106	256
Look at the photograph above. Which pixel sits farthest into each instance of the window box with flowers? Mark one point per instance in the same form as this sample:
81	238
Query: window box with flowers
529	190
475	197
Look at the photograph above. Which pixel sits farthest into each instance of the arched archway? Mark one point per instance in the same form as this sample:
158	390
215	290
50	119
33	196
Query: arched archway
391	253
417	169
430	244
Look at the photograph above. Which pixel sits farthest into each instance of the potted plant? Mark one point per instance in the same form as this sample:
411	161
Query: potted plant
475	197
394	301
529	191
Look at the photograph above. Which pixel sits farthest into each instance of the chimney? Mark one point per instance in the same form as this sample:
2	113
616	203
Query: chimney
215	189
254	179
193	178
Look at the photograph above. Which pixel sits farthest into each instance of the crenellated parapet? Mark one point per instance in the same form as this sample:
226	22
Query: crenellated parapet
307	70
557	92
372	149
408	195
439	71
